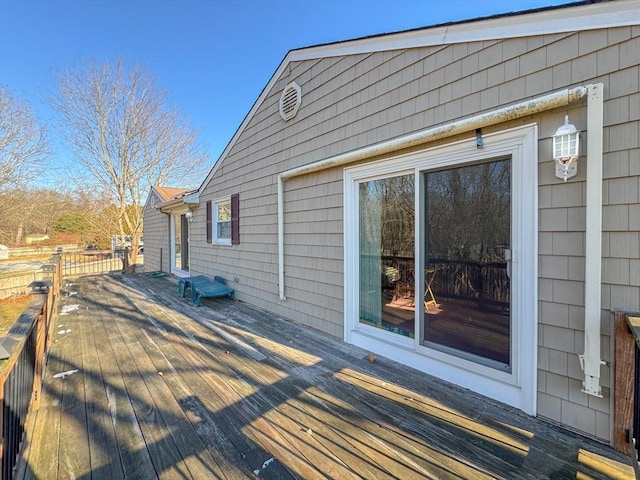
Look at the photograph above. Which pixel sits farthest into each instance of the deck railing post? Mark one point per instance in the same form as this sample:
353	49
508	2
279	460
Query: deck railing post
633	423
2	429
635	440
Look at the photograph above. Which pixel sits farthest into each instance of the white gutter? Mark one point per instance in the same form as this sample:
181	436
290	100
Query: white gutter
530	107
590	360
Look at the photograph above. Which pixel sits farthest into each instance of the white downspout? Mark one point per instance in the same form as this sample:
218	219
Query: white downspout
281	236
590	360
530	107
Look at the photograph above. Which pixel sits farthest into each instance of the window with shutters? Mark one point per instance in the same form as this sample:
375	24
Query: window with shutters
223	221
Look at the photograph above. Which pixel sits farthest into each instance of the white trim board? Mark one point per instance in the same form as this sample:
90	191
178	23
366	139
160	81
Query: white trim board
556	20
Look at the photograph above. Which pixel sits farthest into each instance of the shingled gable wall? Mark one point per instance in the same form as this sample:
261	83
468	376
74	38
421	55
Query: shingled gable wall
354	100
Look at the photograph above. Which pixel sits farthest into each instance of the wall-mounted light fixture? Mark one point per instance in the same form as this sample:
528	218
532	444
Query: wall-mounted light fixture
189	215
566	142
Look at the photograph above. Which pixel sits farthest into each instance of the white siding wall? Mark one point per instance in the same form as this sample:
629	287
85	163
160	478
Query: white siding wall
355	101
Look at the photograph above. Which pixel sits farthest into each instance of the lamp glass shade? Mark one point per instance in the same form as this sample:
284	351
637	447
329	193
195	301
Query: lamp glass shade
566	141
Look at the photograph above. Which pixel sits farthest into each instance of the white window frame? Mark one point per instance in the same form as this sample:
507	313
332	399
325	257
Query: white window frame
214	221
518	387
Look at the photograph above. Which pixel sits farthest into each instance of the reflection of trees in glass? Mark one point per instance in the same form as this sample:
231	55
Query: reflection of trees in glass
386	212
224	212
387	216
468	212
178	241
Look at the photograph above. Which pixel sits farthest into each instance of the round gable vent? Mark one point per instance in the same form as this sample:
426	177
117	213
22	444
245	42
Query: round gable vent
290	101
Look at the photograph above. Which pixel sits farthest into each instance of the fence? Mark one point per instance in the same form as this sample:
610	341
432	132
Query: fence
22	367
92	262
38	250
17	284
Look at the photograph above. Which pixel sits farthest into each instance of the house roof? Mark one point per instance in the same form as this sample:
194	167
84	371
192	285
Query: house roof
578	16
163	196
169	193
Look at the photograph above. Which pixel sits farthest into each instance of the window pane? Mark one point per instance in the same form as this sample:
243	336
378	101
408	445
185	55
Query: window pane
224	211
224	230
177	246
468	238
223	221
387	279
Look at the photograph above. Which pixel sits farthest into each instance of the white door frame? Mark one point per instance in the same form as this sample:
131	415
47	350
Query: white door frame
178	272
519	387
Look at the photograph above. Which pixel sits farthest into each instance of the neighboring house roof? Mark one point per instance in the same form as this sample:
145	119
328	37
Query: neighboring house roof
169	193
578	16
160	196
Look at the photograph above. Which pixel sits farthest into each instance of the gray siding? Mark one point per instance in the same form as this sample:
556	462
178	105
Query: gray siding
156	240
354	101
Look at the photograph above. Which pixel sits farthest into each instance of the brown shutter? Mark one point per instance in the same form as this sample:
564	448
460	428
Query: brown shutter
209	223
235	219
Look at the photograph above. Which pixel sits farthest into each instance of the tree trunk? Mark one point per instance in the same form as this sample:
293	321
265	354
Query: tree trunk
19	233
133	254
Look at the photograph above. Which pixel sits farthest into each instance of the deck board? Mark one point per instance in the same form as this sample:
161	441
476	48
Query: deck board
73	447
132	453
45	454
102	440
202	395
227	391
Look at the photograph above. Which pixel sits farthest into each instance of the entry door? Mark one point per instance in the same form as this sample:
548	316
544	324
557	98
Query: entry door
467	245
181	242
184	247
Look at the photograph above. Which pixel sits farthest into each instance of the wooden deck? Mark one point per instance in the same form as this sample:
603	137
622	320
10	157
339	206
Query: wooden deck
141	384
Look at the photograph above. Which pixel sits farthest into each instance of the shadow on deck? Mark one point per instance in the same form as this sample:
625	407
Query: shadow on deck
142	384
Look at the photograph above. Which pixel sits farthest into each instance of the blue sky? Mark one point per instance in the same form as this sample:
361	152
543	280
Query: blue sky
213	56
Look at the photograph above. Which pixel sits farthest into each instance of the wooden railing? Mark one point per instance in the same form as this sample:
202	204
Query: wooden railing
21	370
626	408
23	351
93	262
485	283
634	434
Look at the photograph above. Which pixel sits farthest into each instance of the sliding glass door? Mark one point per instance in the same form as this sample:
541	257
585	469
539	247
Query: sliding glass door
467	242
441	262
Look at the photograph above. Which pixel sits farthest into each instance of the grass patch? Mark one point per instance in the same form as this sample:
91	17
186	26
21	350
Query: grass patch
10	310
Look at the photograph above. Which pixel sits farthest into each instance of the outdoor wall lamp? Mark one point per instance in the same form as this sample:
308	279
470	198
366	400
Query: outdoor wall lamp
566	143
189	215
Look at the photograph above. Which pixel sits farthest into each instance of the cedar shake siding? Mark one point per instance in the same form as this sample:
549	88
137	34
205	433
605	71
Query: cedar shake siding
354	100
157	233
156	243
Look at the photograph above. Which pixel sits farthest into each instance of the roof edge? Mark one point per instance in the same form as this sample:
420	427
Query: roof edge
542	21
588	15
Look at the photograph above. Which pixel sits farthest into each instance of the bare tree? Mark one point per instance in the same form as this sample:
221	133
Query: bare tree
23	142
122	129
29	211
